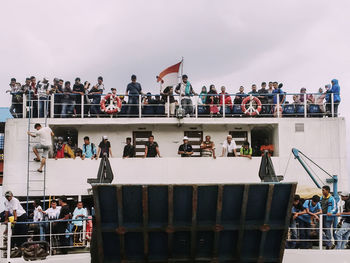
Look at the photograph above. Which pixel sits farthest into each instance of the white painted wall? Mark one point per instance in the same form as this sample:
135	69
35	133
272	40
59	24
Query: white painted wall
323	141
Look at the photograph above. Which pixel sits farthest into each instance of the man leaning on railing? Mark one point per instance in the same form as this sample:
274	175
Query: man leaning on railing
328	206
343	233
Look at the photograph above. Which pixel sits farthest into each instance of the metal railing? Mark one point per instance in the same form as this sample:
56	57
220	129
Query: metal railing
204	105
47	232
320	234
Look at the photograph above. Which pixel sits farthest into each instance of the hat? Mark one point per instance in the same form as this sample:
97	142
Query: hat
8	193
185	138
105	137
184	76
344	193
113	89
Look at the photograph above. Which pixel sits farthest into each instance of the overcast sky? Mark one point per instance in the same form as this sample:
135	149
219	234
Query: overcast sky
231	43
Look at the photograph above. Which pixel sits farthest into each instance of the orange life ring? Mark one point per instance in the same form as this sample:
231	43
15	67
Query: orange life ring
114	106
251	110
88	229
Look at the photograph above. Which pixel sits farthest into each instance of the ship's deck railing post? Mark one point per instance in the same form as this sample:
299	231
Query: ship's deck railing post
305	106
140	108
24	106
168	105
9	236
278	106
196	105
82	106
52	106
320	232
223	106
332	104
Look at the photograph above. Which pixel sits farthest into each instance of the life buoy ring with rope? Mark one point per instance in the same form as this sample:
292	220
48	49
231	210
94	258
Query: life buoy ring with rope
251	110
88	229
114	105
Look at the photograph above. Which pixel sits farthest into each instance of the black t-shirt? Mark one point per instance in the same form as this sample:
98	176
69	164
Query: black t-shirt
263	93
185	148
67	95
171	97
104	148
78	88
152	152
129	151
64	211
347	209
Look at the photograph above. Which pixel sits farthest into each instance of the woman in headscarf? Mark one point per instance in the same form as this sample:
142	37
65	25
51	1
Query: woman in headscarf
213	100
202	99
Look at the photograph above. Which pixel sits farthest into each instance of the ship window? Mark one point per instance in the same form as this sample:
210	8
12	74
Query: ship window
239	137
65	133
195	138
260	136
140	138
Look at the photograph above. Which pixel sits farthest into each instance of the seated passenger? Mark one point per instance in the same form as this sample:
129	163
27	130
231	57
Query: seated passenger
89	149
267	147
208	148
229	147
129	149
104	148
246	151
185	149
152	148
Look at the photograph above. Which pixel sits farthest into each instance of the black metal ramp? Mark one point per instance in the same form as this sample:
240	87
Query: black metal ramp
191	223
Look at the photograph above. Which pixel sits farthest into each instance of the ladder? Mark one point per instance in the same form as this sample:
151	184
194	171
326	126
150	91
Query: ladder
36	181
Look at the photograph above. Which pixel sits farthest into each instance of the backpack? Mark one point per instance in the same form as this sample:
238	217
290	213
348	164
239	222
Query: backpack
92	148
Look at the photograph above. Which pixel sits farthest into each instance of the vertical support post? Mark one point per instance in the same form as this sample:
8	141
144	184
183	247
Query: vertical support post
320	232
168	106
278	105
84	231
305	106
223	106
52	106
38	107
140	108
332	104
24	106
196	114
82	106
9	237
50	233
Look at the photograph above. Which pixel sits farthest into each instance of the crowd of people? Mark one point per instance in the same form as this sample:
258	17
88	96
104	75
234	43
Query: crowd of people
306	218
68	149
84	99
64	220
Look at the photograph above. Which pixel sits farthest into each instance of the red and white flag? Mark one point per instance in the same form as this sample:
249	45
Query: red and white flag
170	75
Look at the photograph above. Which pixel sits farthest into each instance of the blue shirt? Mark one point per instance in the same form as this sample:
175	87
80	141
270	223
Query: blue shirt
134	88
88	150
275	92
77	212
312	209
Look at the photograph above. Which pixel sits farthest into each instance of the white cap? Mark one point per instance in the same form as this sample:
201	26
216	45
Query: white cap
185	138
105	137
344	193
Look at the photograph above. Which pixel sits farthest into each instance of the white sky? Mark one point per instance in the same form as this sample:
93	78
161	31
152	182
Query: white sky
231	43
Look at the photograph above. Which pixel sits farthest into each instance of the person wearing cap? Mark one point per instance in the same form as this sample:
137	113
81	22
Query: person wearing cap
186	92
129	149
104	148
43	92
13	206
343	234
78	91
133	90
185	149
17	98
229	147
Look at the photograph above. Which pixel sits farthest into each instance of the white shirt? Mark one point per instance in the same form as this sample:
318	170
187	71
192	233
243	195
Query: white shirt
14	205
53	214
229	147
38	216
45	136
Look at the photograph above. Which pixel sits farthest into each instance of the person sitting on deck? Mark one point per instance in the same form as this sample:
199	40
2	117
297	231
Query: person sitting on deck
185	149
246	151
208	148
129	149
229	147
152	148
45	143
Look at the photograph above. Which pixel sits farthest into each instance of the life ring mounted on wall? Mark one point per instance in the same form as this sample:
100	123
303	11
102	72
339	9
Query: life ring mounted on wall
252	110
114	105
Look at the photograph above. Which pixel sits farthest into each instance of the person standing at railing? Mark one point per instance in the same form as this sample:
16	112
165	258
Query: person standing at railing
329	209
56	91
89	149
278	90
240	96
263	97
33	97
151	148
185	149
208	148
67	101
343	233
213	101
95	95
168	92
133	90
43	91
61	227
335	90
38	217
13	206
246	150
229	147
129	149
78	91
312	210
104	148
79	213
186	92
